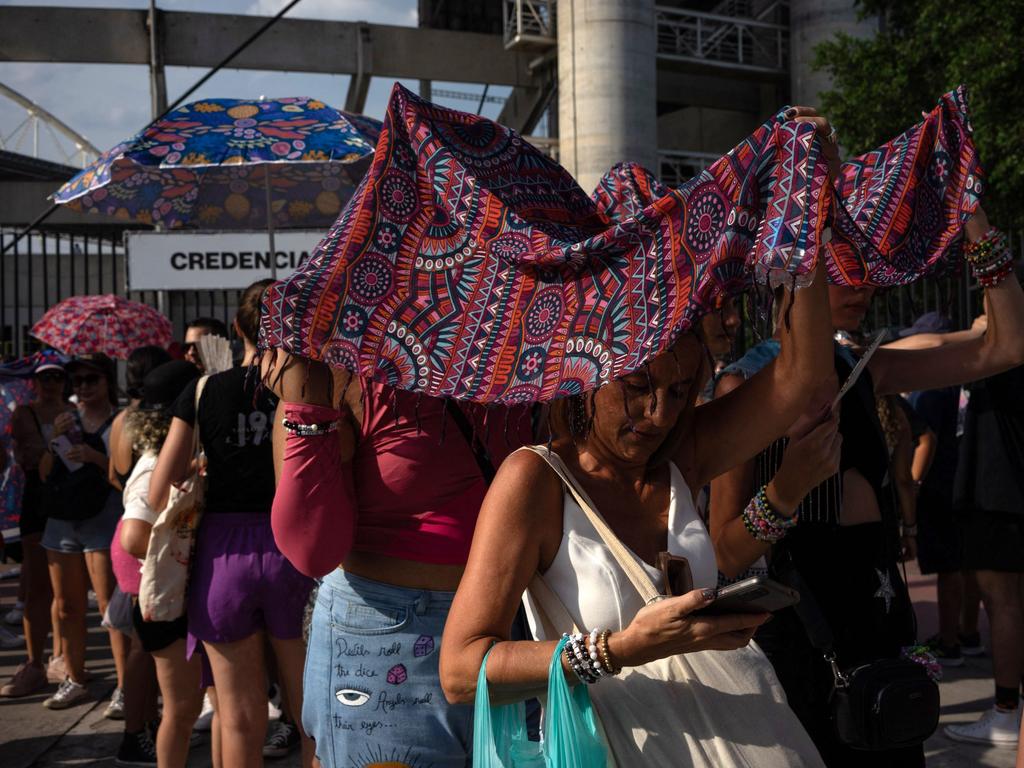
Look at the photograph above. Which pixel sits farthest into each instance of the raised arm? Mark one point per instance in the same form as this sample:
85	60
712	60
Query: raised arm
999	349
315	507
811	456
730	430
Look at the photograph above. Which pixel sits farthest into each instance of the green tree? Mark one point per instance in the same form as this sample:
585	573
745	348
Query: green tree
924	49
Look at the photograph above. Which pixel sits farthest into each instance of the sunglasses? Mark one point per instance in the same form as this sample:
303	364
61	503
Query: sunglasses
89	379
50	377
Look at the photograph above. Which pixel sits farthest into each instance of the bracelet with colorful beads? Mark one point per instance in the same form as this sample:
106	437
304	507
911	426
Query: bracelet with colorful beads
764	523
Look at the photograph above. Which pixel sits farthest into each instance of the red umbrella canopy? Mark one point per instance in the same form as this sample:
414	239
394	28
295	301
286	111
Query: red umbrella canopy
108	324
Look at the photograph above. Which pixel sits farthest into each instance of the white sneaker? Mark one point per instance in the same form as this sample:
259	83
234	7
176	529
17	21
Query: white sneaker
68	694
115	709
274	704
205	719
997	727
9	641
15	615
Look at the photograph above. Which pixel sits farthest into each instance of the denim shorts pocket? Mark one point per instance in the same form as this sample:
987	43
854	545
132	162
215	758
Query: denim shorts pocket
362	618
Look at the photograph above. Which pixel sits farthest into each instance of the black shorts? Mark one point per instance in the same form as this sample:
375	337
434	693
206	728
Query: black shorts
939	535
33	519
157	635
993	541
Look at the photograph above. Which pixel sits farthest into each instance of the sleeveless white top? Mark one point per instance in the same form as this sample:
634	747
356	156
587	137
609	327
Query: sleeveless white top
588	579
713	709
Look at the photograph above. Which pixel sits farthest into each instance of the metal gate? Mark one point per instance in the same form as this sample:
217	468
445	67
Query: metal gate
46	267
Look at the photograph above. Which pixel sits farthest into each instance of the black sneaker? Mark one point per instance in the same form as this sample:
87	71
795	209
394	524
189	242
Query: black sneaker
283	738
137	749
970	645
948	657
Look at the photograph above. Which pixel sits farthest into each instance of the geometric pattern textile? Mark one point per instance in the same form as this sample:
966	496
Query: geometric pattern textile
469	265
82	324
195	166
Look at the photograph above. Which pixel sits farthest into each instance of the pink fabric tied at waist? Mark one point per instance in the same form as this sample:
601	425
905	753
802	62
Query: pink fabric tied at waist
127	568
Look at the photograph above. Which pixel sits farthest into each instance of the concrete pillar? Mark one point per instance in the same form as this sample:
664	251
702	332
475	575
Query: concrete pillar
607	75
812	22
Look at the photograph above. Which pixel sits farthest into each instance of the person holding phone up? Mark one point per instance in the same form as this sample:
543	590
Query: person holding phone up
845	537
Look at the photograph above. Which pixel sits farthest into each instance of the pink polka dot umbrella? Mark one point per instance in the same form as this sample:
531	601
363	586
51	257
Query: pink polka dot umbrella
108	324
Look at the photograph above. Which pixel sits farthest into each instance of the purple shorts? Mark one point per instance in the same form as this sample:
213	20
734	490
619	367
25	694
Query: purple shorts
241	583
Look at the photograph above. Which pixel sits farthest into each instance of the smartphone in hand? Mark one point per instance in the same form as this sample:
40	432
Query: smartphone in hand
758	594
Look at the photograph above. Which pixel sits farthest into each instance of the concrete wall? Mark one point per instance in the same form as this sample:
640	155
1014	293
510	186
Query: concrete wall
607	85
812	22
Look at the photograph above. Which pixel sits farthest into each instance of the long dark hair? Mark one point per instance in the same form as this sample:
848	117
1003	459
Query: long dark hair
249	309
140	362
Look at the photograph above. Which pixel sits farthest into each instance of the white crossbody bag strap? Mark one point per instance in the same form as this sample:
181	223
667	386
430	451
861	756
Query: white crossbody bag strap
636	574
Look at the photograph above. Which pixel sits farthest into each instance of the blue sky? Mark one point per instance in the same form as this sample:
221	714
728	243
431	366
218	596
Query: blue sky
107	103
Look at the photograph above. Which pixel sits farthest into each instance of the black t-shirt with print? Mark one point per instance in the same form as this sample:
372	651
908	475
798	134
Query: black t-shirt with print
234	427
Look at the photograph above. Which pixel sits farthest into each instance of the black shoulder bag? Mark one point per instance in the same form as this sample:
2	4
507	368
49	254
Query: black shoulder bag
881	705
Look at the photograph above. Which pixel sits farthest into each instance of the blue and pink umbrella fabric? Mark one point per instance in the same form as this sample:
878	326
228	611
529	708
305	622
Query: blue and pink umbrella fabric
206	163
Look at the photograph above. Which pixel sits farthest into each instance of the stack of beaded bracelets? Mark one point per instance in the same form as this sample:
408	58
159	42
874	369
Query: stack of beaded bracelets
990	258
764	523
588	655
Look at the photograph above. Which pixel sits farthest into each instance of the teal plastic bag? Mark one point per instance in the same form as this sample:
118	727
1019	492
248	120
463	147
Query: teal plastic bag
570	740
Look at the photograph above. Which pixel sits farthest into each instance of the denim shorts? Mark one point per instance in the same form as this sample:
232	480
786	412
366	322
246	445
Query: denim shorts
371	688
89	535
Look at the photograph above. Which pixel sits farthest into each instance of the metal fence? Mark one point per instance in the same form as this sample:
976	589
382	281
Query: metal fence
45	268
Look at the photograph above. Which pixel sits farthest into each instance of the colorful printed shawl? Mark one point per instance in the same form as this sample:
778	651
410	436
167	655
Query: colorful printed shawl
469	265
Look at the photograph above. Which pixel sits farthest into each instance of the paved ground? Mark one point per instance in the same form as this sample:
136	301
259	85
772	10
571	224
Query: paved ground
33	736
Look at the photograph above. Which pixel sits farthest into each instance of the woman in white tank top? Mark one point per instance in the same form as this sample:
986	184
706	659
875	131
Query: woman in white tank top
634	449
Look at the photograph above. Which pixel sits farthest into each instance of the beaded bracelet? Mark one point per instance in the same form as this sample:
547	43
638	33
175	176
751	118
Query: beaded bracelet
574	656
764	523
995	278
990	258
982	250
606	657
309	430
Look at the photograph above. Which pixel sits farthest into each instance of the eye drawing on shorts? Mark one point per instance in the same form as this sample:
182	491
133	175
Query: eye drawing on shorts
352	697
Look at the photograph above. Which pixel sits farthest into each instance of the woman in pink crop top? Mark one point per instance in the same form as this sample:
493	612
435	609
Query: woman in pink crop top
391	496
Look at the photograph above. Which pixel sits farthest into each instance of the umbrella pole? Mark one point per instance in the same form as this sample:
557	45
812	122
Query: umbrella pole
270	225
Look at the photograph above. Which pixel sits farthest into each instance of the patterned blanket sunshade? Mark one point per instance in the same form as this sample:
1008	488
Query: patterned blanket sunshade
469	265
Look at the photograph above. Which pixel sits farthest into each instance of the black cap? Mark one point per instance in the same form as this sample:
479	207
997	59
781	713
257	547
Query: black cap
164	383
929	322
97	361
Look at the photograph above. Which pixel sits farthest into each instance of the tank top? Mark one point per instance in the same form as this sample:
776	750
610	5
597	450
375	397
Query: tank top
591	584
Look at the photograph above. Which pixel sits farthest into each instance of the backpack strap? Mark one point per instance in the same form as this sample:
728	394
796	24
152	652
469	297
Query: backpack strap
197	444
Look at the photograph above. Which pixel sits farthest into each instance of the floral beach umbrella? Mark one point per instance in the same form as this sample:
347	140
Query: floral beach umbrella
206	164
108	324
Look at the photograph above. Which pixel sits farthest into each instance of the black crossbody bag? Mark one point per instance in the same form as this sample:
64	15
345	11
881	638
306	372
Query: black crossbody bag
884	704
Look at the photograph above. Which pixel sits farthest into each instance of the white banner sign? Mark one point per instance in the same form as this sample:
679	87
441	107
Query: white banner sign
170	261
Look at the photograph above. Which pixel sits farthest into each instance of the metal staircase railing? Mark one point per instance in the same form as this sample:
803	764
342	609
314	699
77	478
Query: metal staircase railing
529	24
724	40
